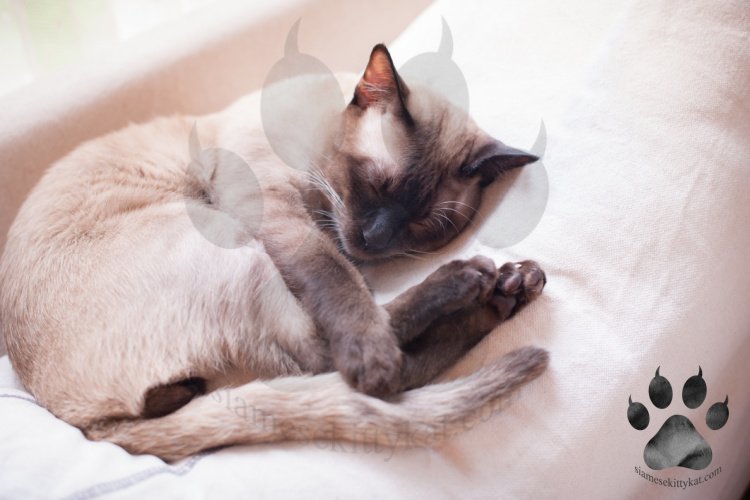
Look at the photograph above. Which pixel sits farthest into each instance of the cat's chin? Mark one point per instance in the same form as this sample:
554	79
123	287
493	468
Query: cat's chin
362	255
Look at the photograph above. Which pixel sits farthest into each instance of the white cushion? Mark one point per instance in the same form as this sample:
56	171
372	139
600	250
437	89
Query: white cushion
644	239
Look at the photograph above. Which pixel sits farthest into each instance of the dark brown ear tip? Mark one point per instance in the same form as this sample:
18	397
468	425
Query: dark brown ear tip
520	160
380	50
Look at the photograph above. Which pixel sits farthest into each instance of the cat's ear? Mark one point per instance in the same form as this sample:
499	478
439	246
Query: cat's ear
380	85
495	158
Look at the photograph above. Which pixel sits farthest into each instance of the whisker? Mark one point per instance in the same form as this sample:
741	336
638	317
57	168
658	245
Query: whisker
324	213
422	252
317	179
468	219
443	216
458	203
409	255
440	222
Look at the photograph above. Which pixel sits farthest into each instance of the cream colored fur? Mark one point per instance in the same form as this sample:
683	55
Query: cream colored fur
109	289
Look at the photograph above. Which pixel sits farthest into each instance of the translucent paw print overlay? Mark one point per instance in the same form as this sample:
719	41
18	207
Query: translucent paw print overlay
296	124
516	202
678	443
225	203
232	219
439	72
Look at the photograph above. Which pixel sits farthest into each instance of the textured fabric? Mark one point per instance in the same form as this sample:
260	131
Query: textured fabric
644	240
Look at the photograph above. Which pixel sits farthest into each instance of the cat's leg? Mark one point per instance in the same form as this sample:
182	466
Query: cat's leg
450	335
333	292
452	287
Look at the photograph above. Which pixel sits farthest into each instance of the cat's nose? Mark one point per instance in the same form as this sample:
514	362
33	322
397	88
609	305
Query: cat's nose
377	232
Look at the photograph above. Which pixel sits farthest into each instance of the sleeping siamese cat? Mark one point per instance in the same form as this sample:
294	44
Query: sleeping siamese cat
122	317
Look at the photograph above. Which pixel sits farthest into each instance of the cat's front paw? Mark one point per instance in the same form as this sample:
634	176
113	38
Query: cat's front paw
518	284
462	283
370	362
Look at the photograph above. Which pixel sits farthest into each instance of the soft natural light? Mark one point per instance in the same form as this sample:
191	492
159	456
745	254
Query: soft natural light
39	37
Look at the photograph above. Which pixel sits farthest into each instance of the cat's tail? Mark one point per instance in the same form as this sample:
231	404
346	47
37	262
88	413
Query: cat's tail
324	407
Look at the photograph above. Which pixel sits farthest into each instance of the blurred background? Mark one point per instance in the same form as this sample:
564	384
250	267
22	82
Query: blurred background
38	37
71	70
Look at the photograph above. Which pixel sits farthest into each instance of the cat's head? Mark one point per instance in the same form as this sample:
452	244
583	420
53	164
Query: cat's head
410	168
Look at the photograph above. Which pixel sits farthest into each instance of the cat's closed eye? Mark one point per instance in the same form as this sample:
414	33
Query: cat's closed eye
380	186
409	178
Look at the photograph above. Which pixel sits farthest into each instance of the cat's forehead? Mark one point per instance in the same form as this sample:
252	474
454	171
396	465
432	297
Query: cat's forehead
382	140
448	127
440	137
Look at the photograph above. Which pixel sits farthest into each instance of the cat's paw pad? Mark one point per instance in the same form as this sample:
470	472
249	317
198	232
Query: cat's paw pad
369	364
461	283
678	443
518	283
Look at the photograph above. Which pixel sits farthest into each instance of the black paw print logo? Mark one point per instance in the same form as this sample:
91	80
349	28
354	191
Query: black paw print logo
678	443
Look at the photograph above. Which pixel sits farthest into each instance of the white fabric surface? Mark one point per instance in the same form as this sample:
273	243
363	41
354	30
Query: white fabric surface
644	241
